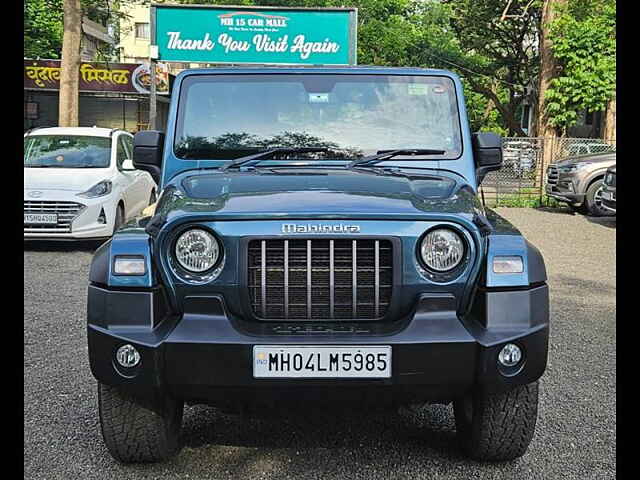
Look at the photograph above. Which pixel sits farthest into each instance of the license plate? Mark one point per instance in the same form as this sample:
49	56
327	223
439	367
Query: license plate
41	218
273	361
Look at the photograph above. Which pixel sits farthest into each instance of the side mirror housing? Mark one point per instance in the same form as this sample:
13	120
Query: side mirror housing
148	147
127	165
487	152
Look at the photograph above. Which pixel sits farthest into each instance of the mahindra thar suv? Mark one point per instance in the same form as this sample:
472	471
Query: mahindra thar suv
318	242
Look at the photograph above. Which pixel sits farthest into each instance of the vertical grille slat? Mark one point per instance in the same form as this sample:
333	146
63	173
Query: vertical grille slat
320	279
332	293
286	279
309	279
263	273
354	278
377	277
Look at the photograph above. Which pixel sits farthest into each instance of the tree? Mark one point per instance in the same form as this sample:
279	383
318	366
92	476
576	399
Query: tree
583	41
499	57
70	65
42	28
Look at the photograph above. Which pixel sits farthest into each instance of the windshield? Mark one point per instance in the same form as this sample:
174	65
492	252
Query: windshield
229	116
66	151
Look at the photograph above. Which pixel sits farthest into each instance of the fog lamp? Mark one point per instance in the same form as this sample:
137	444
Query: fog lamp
510	355
128	356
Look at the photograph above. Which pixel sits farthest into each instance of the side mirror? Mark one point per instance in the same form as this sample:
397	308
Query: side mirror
127	165
487	152
148	146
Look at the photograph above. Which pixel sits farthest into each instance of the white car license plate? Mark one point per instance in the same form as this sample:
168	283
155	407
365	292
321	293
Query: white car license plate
41	218
274	361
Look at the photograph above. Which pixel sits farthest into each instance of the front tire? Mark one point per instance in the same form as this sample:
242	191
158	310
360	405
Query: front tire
497	427
136	430
593	200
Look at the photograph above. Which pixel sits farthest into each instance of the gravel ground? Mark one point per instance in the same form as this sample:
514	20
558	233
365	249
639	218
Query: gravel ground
575	436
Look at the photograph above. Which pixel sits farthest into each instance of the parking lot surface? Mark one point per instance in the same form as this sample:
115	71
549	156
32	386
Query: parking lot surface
575	435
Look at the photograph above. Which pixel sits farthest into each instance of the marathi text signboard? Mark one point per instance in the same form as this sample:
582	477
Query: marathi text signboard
263	35
103	77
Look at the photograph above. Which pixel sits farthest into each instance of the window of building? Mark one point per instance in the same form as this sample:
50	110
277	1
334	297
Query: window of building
142	31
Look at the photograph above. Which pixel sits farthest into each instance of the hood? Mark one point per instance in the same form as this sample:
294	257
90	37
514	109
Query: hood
592	158
318	193
68	179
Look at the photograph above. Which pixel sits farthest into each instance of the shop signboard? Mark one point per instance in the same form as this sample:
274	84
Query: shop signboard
254	35
97	77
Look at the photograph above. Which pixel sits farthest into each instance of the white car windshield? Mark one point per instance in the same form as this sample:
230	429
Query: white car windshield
66	151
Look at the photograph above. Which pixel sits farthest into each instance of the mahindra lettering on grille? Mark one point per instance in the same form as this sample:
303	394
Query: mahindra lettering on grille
320	279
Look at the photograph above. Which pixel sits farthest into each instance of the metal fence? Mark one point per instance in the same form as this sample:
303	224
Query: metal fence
521	180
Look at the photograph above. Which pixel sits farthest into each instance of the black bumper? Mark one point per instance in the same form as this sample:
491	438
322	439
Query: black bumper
206	356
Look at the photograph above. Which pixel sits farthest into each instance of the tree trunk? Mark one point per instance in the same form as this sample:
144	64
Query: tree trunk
70	65
547	72
610	120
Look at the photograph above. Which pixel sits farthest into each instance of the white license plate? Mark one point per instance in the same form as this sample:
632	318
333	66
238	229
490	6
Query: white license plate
41	218
274	361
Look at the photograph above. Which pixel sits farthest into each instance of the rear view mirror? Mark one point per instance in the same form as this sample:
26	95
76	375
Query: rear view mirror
127	165
487	152
148	146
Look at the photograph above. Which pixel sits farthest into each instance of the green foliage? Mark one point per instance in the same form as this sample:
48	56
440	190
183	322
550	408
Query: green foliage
42	28
584	44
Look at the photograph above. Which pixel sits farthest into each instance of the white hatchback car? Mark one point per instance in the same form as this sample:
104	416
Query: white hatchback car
79	183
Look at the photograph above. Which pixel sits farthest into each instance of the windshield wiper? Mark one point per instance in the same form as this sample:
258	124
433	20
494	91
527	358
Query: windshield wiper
387	154
258	157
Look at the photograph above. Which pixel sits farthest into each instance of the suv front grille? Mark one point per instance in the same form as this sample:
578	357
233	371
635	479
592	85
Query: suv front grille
66	212
552	175
320	279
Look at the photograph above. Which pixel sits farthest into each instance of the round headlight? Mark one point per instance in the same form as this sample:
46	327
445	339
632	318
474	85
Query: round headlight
442	249
197	250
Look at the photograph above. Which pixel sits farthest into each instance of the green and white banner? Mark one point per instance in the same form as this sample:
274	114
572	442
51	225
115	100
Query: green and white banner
265	35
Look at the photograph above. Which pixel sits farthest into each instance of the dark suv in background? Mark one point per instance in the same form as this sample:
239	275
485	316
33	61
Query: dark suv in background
578	181
609	190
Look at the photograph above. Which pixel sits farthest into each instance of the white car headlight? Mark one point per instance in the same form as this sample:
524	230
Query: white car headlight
442	249
100	189
197	250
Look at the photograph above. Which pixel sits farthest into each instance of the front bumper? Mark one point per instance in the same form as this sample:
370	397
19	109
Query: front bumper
563	194
83	226
205	355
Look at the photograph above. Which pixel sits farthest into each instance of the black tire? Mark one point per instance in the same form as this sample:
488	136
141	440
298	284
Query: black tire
497	427
137	431
119	220
593	200
153	198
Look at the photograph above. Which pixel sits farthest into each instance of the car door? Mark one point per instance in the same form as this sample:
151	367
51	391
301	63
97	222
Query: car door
144	184
128	180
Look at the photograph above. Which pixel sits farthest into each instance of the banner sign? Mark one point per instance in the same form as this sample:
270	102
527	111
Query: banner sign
264	35
97	77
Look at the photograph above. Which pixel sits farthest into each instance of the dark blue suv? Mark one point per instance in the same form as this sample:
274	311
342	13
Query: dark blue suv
318	241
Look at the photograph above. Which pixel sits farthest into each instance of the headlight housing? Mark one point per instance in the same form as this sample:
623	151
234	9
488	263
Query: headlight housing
197	250
576	166
442	249
100	189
